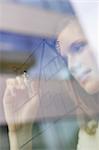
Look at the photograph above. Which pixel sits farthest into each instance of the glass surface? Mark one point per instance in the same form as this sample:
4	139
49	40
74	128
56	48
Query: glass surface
46	106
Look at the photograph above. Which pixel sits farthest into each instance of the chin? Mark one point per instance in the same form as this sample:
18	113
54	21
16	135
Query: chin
92	88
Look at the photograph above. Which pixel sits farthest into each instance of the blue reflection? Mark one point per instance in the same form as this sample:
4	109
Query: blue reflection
49	63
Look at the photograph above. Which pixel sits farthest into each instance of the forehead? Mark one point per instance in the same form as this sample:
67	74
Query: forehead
70	34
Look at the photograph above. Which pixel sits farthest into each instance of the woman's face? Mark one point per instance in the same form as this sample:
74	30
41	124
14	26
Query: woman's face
81	61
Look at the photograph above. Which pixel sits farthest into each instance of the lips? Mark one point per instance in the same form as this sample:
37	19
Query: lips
82	74
85	76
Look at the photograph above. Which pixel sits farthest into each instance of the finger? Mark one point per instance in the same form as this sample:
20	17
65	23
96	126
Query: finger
20	82
11	82
12	85
25	79
10	91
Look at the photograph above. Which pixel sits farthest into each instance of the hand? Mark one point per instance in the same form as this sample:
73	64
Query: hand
19	107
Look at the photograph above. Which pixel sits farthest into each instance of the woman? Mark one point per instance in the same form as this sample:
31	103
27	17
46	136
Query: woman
82	65
71	42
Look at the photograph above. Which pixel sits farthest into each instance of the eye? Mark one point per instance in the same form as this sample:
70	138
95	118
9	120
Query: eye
77	46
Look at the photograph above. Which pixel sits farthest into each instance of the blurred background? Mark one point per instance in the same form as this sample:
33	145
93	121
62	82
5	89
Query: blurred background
28	32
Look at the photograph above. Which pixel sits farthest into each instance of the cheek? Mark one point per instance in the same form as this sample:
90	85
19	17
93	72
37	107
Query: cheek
86	57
